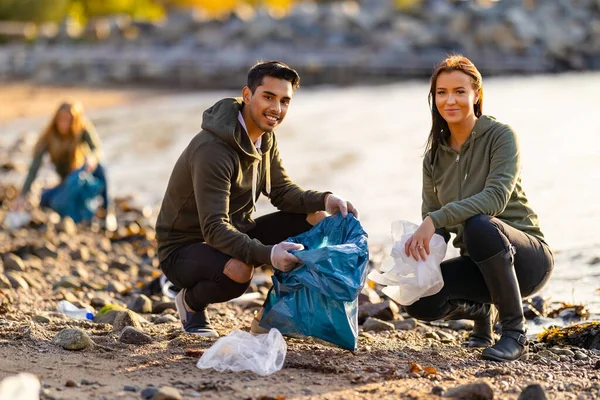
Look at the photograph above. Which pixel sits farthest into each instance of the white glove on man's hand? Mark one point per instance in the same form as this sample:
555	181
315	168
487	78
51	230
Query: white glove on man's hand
333	204
282	259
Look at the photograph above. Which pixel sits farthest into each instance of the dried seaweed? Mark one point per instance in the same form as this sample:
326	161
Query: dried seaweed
586	335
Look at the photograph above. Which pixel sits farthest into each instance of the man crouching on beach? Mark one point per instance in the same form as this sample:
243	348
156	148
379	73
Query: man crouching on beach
208	243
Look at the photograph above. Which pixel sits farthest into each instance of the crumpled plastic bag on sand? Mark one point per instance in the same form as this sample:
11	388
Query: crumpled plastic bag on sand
409	280
16	219
242	351
24	386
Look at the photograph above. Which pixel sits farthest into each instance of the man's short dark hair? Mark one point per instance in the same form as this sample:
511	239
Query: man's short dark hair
276	69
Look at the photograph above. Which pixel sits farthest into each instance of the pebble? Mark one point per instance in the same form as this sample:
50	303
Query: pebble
149	392
406	325
141	304
560	351
71	383
72	339
166	319
478	390
533	392
460	324
131	335
377	325
124	319
438	390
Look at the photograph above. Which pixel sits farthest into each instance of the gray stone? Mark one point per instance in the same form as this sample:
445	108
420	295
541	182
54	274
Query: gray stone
549	354
125	319
159	308
141	304
149	392
12	262
460	324
131	335
165	319
108	317
81	253
131	388
386	310
581	356
46	250
4	282
41	319
72	339
115	287
16	280
445	337
377	325
406	325
471	391
533	392
562	351
68	282
99	302
438	390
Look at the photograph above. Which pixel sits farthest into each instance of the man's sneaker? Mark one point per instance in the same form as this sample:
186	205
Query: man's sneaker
196	323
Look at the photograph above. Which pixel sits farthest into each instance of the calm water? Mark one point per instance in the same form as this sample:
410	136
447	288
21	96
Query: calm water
366	144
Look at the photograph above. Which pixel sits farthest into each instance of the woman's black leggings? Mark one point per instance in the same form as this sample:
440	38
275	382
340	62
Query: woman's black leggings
199	267
484	237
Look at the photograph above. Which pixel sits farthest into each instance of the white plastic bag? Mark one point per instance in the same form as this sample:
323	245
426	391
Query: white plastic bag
16	219
24	386
241	351
407	279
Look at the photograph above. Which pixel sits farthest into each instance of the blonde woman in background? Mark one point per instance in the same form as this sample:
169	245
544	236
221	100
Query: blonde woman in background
73	146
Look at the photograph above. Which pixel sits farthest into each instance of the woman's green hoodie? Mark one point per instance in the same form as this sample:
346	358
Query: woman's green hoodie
209	196
483	178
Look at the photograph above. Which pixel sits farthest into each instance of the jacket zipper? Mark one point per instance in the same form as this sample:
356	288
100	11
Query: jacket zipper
459	176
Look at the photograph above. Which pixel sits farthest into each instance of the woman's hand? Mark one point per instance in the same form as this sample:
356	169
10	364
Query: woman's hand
90	164
418	244
19	204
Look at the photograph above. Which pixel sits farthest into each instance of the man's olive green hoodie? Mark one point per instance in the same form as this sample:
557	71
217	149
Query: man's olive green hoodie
209	197
484	177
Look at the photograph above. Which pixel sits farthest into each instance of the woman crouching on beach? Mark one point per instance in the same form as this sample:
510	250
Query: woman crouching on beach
472	187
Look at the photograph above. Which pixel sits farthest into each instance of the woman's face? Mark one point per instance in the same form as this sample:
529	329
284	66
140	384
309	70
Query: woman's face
63	122
455	97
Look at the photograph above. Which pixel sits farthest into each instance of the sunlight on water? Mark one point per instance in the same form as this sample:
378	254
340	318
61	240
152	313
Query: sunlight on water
366	144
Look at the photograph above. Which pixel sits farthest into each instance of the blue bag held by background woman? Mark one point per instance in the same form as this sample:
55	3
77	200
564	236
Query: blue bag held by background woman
320	297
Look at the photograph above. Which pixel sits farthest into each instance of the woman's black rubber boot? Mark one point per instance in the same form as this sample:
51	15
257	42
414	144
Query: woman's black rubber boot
501	280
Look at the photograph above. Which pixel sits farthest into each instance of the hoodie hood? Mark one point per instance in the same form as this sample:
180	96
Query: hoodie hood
222	121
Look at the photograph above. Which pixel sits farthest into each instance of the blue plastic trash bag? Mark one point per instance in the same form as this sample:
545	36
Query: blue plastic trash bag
76	196
320	297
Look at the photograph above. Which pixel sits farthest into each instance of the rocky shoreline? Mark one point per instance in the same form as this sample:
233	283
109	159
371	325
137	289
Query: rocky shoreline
134	347
367	41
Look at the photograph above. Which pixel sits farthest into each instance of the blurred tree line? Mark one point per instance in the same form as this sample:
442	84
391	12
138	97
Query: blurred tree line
81	10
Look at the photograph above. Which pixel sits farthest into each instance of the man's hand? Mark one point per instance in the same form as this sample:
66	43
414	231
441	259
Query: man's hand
418	244
282	259
333	204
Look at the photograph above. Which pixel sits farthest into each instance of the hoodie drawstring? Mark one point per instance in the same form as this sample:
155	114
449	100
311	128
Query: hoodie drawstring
255	179
254	182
